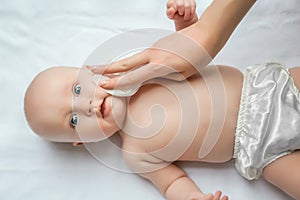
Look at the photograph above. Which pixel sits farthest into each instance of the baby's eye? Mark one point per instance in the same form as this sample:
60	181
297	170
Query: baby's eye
74	120
77	89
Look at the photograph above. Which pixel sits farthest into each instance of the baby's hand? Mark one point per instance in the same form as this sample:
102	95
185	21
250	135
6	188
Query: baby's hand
217	196
199	196
182	10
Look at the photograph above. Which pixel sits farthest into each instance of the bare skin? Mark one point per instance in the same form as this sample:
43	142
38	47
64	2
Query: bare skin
142	153
49	106
169	179
283	173
139	106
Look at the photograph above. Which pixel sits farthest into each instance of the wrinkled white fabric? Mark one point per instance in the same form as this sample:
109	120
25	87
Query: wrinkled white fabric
269	119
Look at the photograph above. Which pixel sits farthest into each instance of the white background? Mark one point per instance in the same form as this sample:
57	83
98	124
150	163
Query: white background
37	34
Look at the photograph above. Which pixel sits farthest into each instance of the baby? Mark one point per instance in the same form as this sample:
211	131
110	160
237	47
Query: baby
255	121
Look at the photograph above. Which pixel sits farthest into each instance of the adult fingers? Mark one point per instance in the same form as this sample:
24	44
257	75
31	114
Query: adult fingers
137	76
127	64
96	69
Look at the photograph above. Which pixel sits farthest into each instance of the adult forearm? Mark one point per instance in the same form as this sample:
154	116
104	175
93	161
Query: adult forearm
217	23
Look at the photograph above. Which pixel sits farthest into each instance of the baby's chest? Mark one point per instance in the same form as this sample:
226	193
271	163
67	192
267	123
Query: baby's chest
167	123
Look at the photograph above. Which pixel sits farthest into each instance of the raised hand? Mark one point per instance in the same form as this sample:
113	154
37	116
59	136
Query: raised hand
183	12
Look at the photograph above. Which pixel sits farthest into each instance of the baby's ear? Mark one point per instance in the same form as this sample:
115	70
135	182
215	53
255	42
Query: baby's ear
76	144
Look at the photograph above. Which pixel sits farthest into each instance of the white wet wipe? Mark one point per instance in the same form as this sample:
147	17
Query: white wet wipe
116	92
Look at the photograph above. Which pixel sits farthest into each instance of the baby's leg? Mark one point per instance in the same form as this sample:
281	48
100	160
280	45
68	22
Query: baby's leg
285	174
295	74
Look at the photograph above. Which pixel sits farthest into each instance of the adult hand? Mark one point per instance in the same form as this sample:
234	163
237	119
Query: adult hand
174	57
178	56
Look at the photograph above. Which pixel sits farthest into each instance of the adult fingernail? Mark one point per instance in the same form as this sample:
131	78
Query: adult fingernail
102	83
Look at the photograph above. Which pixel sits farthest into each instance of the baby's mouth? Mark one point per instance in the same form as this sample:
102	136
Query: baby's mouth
102	107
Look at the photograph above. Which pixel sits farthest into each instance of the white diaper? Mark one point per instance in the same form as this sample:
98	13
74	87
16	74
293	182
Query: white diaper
269	119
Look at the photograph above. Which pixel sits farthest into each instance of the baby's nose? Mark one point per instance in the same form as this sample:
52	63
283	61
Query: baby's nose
89	109
84	106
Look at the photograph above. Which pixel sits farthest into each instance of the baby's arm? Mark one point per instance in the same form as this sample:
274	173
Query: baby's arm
169	179
174	183
183	12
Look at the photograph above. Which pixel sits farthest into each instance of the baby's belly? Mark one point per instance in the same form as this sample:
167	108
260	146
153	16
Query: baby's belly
219	106
194	127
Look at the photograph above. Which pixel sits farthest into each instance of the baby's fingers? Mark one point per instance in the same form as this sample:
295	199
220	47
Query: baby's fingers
225	197
218	195
208	197
180	6
171	9
190	9
193	7
171	12
187	13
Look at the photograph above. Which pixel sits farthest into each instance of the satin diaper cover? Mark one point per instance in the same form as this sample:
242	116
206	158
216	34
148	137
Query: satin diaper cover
268	124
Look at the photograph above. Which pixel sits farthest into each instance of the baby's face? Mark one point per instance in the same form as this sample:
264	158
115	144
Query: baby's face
64	105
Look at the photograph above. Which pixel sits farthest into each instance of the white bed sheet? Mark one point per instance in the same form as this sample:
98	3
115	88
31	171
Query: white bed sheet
37	34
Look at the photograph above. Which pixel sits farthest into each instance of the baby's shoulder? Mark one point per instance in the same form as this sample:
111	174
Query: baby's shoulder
139	160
